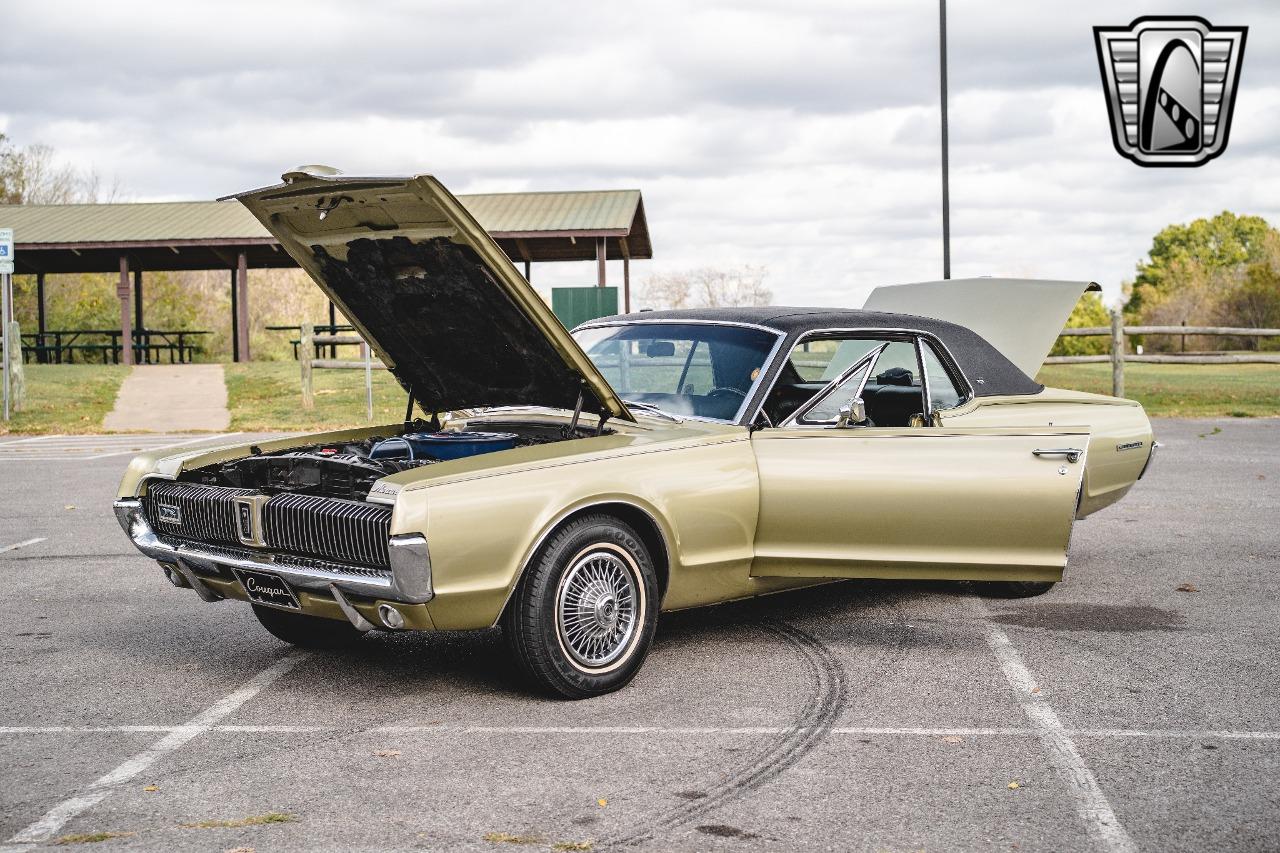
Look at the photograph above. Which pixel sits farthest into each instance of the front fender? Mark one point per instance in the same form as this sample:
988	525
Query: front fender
483	532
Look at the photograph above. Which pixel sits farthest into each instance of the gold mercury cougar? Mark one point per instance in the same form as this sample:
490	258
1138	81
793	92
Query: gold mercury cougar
568	487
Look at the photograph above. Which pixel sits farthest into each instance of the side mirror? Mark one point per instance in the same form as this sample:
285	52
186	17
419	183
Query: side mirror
852	414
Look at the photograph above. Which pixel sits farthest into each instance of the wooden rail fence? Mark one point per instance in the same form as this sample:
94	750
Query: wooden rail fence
1117	331
1118	356
307	362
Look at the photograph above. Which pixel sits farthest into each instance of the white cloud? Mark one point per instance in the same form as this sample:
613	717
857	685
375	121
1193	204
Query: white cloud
799	135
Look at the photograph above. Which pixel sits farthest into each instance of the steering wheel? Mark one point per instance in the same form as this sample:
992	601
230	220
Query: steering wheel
720	389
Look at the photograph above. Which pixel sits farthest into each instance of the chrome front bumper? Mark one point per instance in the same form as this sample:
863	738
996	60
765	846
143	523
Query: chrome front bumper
408	581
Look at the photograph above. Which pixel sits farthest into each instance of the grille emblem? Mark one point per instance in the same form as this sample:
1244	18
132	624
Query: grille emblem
169	514
1170	84
249	519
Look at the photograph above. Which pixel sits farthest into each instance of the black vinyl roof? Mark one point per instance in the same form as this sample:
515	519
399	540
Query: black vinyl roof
987	370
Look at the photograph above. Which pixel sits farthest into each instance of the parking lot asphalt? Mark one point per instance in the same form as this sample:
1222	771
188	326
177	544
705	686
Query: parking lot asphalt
1115	713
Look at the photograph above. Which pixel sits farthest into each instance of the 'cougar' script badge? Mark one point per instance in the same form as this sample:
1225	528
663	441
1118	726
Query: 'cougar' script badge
1170	84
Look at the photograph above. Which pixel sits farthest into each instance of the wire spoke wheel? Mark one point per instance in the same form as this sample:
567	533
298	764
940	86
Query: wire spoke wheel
596	608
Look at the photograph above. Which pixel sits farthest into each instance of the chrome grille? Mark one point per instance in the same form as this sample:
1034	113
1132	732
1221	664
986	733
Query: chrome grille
207	513
329	528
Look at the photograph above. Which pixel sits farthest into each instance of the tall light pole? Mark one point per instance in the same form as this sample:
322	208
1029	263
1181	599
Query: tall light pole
946	189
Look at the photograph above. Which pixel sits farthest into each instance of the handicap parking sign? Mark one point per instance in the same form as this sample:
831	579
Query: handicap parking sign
6	250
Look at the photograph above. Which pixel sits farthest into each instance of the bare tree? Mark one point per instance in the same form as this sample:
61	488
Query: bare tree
32	175
708	287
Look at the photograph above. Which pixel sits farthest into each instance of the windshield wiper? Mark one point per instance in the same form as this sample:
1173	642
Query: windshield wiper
650	407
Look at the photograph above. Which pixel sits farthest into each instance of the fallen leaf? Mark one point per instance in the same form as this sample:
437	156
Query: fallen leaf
1188	587
388	753
92	837
151	788
69	506
951	739
508	838
1013	786
602	802
571	845
1035	689
254	820
240	850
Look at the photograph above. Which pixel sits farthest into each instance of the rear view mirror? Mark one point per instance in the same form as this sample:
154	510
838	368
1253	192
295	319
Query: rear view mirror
660	349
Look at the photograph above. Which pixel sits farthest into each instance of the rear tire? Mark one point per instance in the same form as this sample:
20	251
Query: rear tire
584	614
309	632
1013	589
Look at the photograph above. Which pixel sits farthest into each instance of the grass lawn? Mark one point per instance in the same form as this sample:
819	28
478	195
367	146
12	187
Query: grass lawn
66	398
1181	391
268	396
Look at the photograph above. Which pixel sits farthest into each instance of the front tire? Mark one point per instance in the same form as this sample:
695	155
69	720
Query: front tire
583	616
309	632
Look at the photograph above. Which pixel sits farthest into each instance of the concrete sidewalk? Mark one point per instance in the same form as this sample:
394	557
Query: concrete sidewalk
171	398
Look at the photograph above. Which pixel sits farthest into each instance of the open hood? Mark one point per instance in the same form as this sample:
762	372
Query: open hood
1021	317
432	293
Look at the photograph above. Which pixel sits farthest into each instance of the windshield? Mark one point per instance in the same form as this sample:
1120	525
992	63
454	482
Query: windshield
697	369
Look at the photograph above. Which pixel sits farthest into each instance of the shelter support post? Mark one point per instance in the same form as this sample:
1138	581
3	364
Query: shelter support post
41	355
601	253
626	285
626	275
242	266
235	317
139	317
1117	354
126	321
528	271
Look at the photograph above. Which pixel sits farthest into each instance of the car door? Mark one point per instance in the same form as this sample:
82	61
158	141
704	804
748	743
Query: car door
911	501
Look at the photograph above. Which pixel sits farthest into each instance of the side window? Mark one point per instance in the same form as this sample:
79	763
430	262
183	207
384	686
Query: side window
827	411
810	367
943	393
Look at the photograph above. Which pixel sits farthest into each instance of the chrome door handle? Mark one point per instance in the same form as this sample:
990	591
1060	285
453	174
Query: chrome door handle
1073	454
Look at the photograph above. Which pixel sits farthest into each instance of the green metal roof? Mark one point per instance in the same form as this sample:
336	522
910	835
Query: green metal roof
501	214
513	213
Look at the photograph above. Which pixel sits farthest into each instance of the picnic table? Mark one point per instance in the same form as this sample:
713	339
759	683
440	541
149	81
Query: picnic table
320	329
58	346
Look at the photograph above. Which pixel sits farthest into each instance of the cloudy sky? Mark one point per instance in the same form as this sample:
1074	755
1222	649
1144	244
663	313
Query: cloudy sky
800	135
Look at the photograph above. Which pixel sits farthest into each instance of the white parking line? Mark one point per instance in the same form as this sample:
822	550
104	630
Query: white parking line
57	448
16	545
195	440
454	729
1090	802
54	819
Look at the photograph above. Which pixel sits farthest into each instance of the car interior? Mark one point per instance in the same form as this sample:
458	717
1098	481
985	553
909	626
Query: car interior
893	393
700	370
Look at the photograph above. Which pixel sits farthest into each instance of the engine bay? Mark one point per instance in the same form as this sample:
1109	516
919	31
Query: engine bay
348	470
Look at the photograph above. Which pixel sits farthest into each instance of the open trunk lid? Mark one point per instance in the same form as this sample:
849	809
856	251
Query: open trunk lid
1021	317
429	289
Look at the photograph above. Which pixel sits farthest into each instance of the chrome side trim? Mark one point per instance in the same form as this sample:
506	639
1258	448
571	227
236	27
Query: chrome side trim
1151	455
411	567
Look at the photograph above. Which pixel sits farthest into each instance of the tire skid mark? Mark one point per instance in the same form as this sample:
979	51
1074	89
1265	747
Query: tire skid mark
814	724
